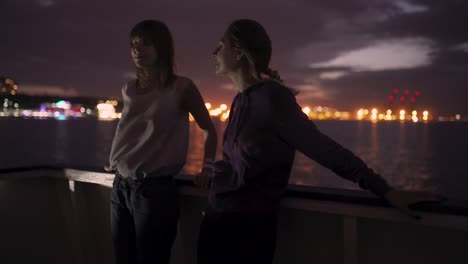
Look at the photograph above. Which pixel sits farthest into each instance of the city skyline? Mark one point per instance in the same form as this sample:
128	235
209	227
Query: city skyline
339	54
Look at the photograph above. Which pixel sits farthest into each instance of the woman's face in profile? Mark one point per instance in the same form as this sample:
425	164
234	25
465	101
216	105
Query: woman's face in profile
225	57
143	52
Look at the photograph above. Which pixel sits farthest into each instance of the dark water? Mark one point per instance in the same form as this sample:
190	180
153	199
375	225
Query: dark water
410	156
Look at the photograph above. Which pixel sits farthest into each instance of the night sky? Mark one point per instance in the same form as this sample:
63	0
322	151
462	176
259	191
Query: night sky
338	53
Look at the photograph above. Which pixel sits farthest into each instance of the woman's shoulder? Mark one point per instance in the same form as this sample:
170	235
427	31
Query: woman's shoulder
274	90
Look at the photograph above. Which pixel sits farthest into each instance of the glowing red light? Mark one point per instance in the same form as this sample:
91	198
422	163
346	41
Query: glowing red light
391	97
402	98
413	100
395	91
417	93
406	92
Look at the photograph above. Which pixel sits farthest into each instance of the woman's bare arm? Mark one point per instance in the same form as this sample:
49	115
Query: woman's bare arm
194	104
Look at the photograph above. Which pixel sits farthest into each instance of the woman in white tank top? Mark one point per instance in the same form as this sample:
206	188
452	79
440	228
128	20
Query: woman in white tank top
150	148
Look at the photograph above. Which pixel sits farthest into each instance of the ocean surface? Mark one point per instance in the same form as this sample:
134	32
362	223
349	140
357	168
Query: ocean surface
414	156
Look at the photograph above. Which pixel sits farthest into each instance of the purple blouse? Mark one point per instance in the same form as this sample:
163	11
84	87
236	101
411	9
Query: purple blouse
266	126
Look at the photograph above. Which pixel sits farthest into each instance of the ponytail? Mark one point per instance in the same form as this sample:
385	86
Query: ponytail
273	74
276	77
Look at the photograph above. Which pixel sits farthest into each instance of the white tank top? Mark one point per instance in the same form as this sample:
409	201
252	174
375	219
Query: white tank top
151	139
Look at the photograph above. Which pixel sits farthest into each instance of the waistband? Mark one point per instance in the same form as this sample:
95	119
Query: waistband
161	179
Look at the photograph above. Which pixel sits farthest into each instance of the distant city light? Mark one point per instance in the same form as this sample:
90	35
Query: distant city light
106	111
402	115
112	102
360	113
224	116
392	110
215	112
63	104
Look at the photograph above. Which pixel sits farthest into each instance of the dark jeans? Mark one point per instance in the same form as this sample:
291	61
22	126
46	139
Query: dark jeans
144	215
237	238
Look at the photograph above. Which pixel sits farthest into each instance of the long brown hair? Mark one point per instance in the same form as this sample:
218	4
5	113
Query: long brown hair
159	35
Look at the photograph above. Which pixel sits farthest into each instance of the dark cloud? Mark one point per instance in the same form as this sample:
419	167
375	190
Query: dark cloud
83	45
443	21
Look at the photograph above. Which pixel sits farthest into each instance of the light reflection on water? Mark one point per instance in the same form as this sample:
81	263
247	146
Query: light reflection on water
409	155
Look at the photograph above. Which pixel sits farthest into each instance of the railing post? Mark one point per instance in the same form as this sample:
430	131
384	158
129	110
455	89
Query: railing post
350	240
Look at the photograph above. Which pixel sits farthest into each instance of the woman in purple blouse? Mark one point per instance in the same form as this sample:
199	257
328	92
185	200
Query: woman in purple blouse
266	126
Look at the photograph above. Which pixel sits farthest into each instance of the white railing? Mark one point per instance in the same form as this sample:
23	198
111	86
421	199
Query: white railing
339	231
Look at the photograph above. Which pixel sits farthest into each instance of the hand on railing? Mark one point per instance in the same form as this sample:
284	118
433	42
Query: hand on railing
401	200
203	179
